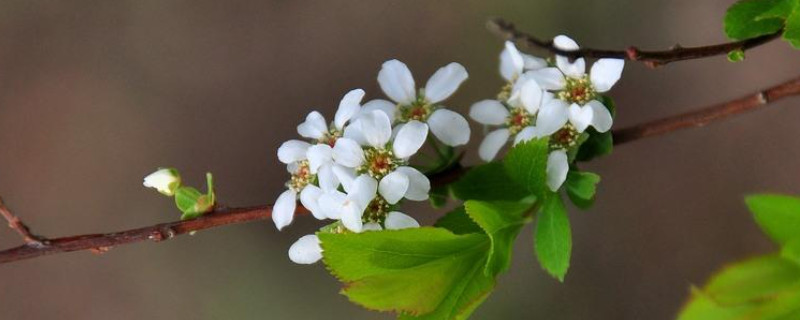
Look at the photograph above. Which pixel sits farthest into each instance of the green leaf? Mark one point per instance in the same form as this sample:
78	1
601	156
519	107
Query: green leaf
791	250
488	182
421	271
526	163
438	196
781	10
736	55
778	215
701	307
502	222
792	31
458	222
752	280
581	187
553	238
752	18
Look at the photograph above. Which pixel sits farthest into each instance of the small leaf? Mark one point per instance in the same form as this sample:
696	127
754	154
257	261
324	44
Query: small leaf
736	55
791	250
778	215
488	182
526	163
458	222
792	31
186	198
428	272
502	222
752	280
581	187
553	238
752	18
701	307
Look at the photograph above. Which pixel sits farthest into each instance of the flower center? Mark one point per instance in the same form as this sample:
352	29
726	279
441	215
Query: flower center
301	177
578	90
564	138
418	110
505	91
376	210
518	120
379	162
330	137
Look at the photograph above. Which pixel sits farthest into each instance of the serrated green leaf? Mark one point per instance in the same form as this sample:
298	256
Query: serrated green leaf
701	307
791	250
752	18
752	280
581	187
526	163
553	238
458	222
488	182
777	215
736	55
792	29
420	271
502	222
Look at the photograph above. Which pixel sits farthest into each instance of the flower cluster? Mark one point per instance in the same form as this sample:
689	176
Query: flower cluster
356	170
543	99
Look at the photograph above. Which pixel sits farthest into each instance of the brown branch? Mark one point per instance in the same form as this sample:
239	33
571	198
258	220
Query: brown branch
104	242
703	116
18	226
508	31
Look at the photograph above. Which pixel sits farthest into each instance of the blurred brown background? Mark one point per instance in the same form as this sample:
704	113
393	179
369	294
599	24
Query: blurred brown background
96	94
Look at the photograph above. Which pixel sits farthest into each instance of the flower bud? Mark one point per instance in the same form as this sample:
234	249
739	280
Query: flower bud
165	180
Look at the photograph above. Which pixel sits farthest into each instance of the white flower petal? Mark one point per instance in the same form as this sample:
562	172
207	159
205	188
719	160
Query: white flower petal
511	62
602	119
164	180
293	151
351	216
531	96
576	68
331	204
418	184
348	107
371	226
490	112
449	127
345	175
327	179
383	105
348	152
364	189
565	43
305	250
409	139
376	128
549	78
397	82
397	220
533	63
605	73
353	131
492	144
526	134
309	197
580	116
283	210
444	82
557	169
314	127
393	187
319	155
552	117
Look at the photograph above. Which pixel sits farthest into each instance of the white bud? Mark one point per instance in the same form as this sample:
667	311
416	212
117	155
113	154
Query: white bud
165	180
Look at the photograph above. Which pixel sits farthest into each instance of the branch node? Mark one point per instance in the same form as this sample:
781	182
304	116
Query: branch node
162	234
632	53
101	250
762	97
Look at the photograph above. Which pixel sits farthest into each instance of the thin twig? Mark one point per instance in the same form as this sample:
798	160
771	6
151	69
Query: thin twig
18	226
508	31
103	242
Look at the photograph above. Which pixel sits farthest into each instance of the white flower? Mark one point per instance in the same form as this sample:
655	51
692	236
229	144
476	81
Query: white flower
315	126
513	62
305	250
349	207
384	161
576	91
397	83
514	116
165	180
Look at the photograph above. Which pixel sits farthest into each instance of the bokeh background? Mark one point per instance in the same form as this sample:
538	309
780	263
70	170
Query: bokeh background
96	94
